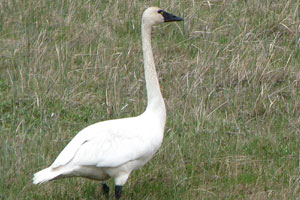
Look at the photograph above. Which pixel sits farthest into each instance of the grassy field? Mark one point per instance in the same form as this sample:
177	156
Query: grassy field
230	76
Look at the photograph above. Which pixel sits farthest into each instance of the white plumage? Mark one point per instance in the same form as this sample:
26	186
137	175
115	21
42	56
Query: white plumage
114	148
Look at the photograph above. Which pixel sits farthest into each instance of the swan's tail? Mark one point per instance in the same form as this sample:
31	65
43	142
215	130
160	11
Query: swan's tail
45	175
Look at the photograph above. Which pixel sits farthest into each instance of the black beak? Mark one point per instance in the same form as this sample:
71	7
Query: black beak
168	17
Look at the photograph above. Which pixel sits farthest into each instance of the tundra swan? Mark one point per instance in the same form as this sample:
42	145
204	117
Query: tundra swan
114	148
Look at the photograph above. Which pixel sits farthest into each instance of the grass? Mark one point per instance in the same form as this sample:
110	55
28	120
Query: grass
229	75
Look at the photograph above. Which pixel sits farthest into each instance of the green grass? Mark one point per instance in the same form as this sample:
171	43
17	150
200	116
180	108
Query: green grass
229	75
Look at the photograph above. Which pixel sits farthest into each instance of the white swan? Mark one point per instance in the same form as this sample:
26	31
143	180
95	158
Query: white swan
114	148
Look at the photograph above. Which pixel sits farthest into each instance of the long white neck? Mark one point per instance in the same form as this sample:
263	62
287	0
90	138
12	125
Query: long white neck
155	99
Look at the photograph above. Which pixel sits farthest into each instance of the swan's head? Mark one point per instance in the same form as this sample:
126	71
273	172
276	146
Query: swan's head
154	15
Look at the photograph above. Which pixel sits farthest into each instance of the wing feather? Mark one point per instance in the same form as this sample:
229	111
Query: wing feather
105	144
111	153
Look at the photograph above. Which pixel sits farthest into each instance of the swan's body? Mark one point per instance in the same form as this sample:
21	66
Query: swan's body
108	149
114	148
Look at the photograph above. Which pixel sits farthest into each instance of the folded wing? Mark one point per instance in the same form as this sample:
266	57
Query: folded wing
102	146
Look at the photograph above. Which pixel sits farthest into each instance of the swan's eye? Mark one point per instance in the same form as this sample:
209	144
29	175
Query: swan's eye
161	12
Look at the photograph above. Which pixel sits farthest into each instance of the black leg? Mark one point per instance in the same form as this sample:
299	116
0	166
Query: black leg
118	191
106	190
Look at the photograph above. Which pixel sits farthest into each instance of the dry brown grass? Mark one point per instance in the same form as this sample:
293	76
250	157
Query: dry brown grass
229	75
